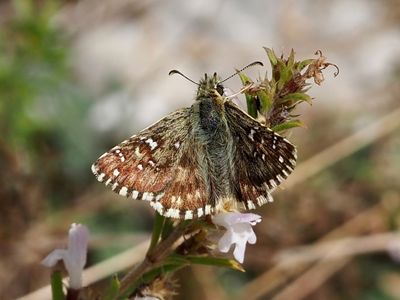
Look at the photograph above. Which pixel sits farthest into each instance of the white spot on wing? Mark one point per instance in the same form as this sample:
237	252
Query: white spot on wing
140	167
116	172
250	204
200	212
101	177
281	159
157	206
280	178
135	194
177	144
272	183
251	135
172	213
95	169
151	143
270	199
261	200
148	196
188	215
123	191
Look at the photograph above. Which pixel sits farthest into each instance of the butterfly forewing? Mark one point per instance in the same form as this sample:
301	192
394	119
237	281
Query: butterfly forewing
157	165
263	158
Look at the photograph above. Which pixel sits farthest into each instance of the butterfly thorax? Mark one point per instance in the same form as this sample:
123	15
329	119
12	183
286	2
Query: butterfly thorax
212	135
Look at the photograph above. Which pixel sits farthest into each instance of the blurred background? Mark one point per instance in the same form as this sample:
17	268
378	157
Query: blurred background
78	77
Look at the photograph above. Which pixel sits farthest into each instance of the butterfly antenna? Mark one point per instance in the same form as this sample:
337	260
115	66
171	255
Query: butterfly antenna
256	63
183	75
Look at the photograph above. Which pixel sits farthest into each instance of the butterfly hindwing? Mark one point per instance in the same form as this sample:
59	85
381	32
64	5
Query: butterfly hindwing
263	159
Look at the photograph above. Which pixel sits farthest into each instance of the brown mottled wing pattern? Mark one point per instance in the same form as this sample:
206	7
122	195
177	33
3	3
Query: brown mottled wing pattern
263	159
154	166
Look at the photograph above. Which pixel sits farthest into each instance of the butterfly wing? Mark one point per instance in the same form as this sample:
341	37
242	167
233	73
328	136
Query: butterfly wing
157	165
263	159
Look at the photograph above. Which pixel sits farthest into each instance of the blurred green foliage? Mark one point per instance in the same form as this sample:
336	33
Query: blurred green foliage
43	109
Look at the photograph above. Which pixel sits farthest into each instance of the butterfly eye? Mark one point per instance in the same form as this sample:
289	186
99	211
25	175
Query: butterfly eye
220	89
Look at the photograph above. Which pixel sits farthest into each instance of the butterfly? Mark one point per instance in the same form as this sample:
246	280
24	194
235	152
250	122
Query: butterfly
196	160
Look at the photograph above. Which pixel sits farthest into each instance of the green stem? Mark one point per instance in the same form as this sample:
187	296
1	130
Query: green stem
57	286
157	230
153	257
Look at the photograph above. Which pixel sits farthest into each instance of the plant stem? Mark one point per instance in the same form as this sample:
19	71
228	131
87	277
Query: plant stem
153	256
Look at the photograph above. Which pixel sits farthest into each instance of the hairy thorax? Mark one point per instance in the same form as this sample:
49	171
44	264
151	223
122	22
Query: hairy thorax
213	135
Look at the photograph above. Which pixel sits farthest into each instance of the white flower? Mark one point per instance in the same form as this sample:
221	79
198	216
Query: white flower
74	256
239	231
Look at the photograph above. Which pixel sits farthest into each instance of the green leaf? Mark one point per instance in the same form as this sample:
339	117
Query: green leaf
245	79
285	74
288	125
265	101
251	105
212	261
271	56
167	229
57	286
290	61
295	97
250	100
157	230
113	289
301	65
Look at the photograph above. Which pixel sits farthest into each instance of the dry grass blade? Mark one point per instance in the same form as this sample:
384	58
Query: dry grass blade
332	257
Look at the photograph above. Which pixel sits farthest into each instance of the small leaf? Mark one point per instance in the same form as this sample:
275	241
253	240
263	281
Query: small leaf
271	55
265	101
295	97
250	100
245	79
164	269
215	261
285	74
290	61
301	65
251	105
57	286
288	125
113	289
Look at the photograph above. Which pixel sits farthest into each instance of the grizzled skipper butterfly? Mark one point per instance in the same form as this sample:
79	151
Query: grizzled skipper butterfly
198	159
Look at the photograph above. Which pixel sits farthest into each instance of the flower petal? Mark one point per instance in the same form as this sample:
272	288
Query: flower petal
52	259
78	242
226	241
238	253
239	231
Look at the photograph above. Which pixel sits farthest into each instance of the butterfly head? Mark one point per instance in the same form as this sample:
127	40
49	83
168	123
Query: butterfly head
209	86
